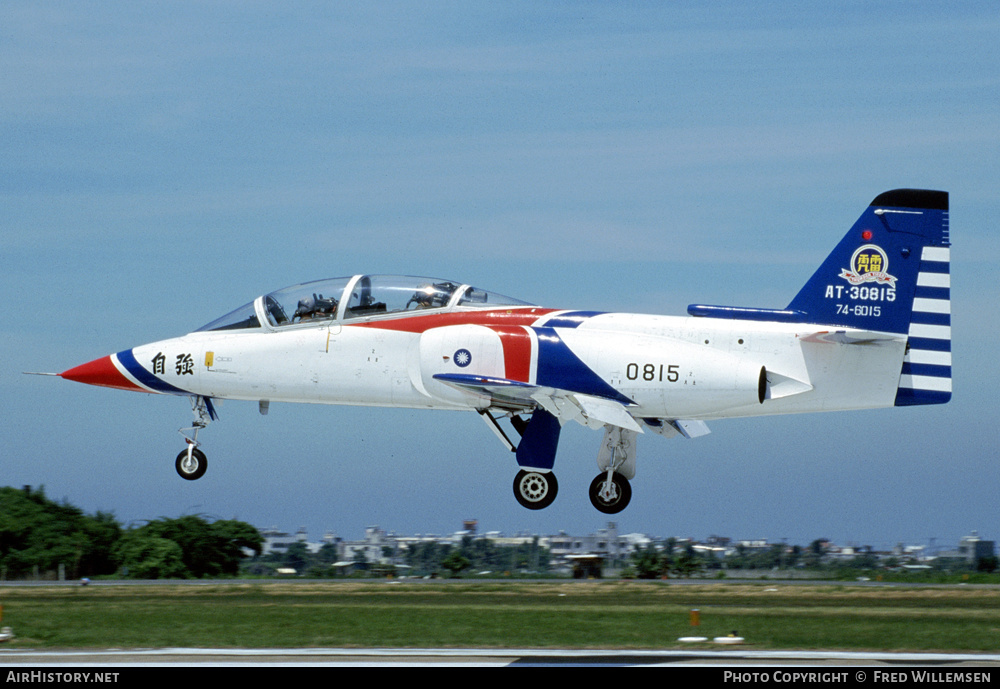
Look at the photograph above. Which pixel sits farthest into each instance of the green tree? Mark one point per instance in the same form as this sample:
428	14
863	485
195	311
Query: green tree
208	549
687	563
327	554
233	538
987	563
425	557
37	533
150	557
296	556
455	563
647	562
103	532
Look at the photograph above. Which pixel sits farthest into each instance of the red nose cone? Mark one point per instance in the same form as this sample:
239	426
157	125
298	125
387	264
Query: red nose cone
101	372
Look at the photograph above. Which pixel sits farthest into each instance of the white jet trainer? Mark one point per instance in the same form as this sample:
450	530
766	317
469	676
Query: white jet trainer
871	328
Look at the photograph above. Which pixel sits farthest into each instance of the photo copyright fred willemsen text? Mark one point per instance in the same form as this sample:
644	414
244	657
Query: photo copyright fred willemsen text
896	676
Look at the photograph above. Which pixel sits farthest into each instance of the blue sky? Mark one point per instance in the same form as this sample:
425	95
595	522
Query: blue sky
163	163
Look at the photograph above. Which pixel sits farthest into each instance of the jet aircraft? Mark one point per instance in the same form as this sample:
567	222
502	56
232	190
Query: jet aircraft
870	328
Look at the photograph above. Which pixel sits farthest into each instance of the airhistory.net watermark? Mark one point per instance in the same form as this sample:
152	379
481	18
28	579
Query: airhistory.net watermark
45	677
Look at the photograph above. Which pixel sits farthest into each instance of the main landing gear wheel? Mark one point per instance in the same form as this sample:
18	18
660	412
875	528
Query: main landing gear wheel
613	500
193	467
535	489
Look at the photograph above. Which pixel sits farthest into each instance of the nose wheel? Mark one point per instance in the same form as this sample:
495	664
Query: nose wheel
610	494
191	463
535	489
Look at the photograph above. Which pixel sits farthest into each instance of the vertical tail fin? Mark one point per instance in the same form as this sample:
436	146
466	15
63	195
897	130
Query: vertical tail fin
890	273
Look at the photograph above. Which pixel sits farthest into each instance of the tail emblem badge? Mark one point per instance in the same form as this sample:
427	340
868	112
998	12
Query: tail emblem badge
869	264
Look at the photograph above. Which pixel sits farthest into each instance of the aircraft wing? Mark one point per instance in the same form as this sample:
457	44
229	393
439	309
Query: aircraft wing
588	410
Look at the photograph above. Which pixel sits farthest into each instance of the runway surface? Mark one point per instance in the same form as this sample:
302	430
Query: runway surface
357	657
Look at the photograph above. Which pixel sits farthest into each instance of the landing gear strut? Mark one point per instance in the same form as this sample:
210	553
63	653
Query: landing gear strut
535	489
191	463
610	492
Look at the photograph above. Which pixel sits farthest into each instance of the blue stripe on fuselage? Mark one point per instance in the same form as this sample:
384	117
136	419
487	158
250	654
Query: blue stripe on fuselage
128	360
559	367
570	319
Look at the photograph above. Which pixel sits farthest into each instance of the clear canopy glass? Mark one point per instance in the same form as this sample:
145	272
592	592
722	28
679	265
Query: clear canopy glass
370	296
311	301
383	294
242	318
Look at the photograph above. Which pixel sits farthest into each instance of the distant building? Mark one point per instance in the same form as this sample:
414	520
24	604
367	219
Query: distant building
972	547
379	548
278	541
606	543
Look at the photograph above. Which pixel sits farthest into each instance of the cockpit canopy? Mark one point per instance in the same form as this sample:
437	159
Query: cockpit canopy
359	296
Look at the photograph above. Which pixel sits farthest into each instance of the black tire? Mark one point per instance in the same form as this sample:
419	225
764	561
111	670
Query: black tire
535	489
195	469
619	502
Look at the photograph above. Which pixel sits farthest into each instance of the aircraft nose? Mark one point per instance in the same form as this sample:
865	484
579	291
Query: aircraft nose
101	372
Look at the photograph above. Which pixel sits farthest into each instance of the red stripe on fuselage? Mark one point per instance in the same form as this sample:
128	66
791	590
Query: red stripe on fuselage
516	344
101	372
490	318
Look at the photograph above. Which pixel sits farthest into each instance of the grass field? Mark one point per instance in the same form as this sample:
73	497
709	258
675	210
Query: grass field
594	615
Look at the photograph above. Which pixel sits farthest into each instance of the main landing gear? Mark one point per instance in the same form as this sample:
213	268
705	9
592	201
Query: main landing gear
610	491
535	485
191	463
610	494
535	489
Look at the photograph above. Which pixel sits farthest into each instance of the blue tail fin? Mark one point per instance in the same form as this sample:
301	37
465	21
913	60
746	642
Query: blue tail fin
891	274
870	281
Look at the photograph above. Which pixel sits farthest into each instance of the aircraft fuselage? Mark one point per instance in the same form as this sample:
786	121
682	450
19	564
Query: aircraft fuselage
657	366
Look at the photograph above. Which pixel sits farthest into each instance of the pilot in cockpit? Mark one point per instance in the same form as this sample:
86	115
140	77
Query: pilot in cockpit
433	296
315	307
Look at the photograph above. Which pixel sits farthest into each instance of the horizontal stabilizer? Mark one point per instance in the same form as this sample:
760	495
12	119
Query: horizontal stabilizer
746	314
850	337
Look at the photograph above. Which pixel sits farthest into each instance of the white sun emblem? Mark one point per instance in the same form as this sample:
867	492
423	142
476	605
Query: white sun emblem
462	358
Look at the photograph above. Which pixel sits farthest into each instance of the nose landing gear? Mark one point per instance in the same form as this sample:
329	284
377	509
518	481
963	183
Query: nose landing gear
191	463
